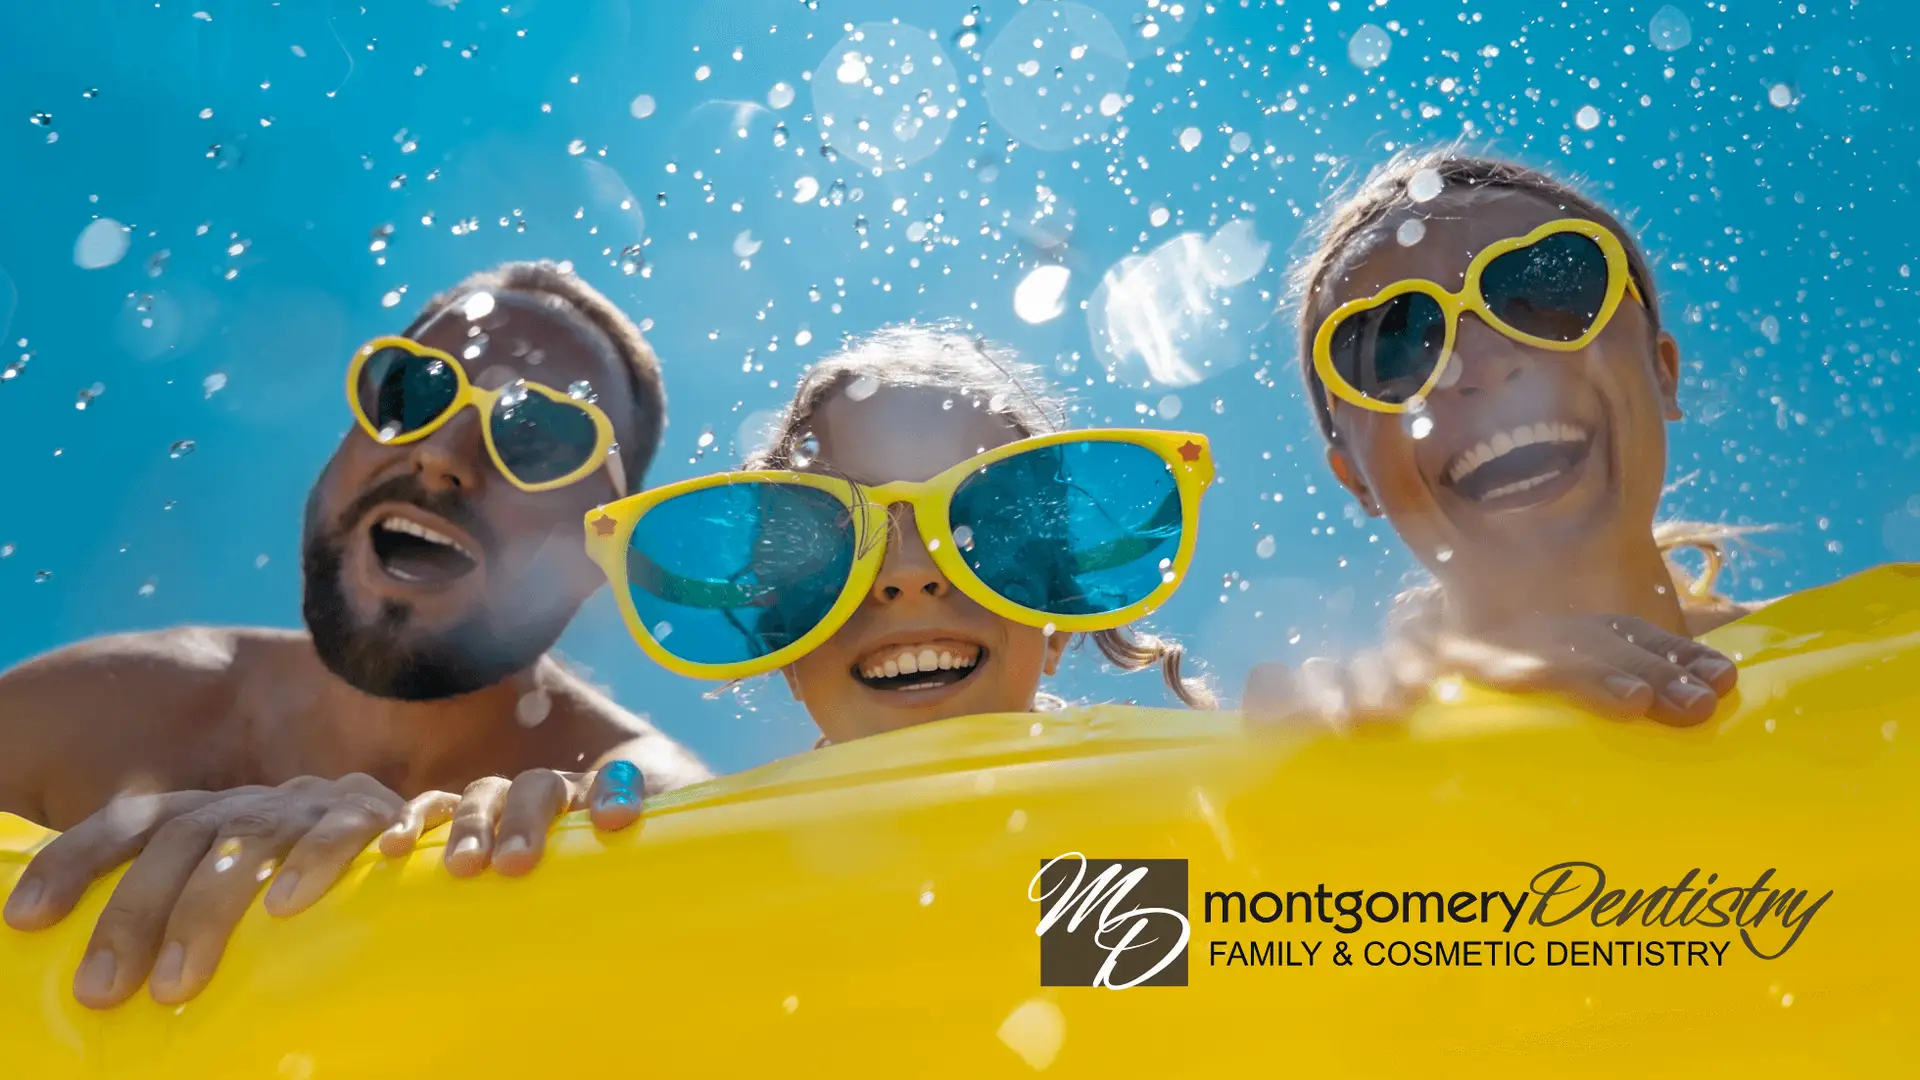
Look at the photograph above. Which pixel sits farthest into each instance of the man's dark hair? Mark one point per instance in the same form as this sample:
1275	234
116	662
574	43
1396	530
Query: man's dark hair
569	290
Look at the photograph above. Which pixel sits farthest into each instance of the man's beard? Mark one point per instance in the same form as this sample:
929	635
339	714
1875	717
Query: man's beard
389	656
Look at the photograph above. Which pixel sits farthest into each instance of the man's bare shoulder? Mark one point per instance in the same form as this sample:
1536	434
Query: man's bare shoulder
76	720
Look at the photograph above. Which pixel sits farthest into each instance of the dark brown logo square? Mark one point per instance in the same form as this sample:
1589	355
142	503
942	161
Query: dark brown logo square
1116	923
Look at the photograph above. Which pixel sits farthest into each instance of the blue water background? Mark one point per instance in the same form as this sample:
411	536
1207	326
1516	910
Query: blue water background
254	151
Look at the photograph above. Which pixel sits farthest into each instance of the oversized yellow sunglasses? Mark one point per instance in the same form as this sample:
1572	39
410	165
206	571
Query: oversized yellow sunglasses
1555	288
739	574
539	438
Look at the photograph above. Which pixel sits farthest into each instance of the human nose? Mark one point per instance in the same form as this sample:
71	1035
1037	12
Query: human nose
450	458
1482	359
907	568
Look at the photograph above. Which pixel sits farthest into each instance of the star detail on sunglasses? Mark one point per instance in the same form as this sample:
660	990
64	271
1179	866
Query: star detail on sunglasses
1190	451
604	525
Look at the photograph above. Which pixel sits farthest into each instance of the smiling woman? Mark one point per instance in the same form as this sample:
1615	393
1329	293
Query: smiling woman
1483	349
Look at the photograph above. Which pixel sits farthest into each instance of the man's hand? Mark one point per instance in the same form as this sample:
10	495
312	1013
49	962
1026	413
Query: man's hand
200	857
198	860
1614	665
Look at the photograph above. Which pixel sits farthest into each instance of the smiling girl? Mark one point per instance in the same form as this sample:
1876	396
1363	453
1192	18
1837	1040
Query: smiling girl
920	540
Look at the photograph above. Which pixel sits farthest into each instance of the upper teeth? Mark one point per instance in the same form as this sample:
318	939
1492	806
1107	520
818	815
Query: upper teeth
911	661
1547	431
411	528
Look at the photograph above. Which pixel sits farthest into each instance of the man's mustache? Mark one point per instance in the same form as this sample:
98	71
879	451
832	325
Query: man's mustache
451	505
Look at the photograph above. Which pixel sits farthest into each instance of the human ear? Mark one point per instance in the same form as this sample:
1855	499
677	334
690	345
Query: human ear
1349	476
1056	648
1666	371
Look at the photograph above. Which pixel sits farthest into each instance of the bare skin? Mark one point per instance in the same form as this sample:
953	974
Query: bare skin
283	753
1560	586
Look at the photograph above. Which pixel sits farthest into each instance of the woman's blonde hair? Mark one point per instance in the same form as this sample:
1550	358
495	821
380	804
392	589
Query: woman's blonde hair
1385	190
943	356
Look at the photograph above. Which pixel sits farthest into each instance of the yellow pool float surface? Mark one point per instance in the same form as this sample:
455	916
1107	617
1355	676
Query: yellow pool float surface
865	909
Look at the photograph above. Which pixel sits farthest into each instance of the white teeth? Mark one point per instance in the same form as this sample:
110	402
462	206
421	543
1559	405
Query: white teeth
411	528
913	661
1520	485
1512	439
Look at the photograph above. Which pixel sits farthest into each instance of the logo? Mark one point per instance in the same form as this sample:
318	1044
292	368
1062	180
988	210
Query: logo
1115	923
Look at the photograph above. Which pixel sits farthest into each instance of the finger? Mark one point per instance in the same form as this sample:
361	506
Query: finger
1679	698
127	936
61	872
215	897
319	859
535	799
470	840
1374	693
1705	663
615	798
423	815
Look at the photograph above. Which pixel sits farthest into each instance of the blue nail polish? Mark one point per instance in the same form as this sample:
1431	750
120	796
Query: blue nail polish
618	798
621	776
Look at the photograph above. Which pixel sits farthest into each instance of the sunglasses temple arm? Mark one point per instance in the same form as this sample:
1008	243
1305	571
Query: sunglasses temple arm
617	472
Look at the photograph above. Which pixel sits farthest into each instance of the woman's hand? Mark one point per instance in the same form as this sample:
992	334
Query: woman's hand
506	824
1614	665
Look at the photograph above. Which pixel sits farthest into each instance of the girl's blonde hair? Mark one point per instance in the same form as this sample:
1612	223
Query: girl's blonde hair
945	357
1385	190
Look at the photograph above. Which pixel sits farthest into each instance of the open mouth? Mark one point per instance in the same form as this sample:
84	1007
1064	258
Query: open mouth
1519	460
417	554
919	666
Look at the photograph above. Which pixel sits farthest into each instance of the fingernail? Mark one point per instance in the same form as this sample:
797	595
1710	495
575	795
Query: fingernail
466	845
1623	687
617	798
166	970
283	885
25	898
95	977
512	845
1712	667
1686	693
621	775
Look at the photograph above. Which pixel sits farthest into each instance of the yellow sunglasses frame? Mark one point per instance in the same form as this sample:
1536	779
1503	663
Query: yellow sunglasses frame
610	527
471	396
1469	299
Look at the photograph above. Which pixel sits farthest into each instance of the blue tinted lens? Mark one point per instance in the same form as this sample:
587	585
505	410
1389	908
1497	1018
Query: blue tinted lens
1076	529
402	393
735	573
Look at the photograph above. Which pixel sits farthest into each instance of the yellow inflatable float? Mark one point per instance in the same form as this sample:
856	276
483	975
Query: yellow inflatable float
1498	885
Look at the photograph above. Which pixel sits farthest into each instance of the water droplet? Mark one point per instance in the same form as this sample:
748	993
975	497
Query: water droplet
1445	554
1587	118
86	396
41	577
101	244
1017	821
157	262
90	93
805	189
852	67
662	630
744	245
780	96
6	551
1111	104
862	388
1266	547
1041	295
41	119
533	708
1419	427
804	337
1189	138
1240	142
576	147
1424	185
779	134
1780	95
926	896
391	299
180	449
1669	30
1410	232
641	107
1369	47
705	440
